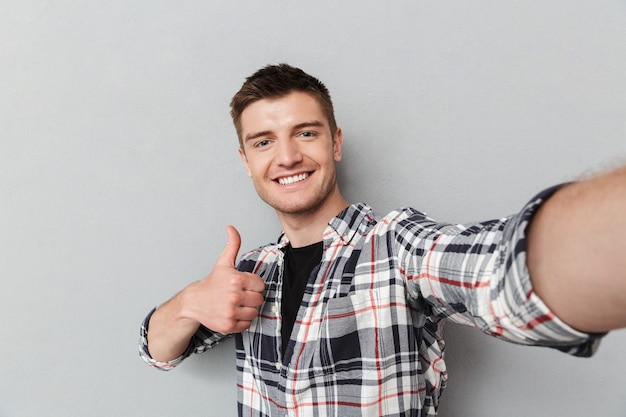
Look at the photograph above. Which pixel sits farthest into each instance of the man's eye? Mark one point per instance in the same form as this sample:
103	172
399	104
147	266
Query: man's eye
262	143
308	134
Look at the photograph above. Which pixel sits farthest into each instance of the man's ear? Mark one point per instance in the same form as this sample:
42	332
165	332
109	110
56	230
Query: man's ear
337	144
243	157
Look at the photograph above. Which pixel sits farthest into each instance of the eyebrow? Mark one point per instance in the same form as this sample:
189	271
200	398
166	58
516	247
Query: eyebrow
251	136
312	123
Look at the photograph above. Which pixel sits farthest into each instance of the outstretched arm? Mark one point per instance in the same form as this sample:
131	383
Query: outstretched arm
577	253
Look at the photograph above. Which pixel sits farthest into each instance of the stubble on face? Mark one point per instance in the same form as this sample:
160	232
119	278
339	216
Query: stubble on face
282	118
294	205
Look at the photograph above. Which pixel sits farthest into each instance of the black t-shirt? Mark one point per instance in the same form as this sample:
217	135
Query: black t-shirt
299	264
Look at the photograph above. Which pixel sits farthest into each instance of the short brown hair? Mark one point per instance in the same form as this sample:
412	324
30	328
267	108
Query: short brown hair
274	81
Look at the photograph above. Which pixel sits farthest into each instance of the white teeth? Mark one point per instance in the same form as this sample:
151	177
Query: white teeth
292	179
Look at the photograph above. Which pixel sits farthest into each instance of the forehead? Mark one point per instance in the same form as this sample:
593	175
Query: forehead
281	113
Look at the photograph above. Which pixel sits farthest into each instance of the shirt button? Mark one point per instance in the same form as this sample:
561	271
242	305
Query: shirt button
280	262
278	366
274	309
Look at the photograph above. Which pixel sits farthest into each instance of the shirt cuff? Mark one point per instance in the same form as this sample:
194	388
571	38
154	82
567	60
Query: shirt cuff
144	352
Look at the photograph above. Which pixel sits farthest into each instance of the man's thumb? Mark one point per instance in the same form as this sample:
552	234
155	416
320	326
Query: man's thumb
229	254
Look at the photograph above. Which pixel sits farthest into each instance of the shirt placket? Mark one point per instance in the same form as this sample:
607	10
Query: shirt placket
281	368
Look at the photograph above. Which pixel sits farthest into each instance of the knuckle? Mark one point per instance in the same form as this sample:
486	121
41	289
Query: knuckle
229	313
236	280
235	299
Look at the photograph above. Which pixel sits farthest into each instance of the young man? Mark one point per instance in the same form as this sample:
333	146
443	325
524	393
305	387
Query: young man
343	316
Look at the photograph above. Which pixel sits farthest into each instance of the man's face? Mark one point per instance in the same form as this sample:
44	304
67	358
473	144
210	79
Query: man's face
289	152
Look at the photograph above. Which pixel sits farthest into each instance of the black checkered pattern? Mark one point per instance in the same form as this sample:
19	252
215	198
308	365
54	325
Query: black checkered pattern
368	336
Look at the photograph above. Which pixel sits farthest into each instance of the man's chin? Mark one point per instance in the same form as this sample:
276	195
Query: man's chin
294	208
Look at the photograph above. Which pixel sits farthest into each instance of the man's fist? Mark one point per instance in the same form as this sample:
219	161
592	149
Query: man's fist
226	300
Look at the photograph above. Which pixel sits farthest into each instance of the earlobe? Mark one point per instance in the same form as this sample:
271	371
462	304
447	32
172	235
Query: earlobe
242	155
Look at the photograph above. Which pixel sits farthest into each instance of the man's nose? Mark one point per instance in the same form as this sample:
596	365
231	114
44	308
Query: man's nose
288	153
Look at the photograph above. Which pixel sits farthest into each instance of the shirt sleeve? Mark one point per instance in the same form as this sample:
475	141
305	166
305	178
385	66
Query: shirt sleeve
202	340
476	274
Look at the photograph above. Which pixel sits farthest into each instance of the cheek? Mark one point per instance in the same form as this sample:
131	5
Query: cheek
322	156
257	168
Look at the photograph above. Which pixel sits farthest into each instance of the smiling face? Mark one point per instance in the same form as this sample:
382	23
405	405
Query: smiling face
290	152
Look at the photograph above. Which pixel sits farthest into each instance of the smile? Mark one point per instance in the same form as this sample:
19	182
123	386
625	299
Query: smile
292	179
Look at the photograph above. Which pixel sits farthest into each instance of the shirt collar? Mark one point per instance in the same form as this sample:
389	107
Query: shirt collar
354	218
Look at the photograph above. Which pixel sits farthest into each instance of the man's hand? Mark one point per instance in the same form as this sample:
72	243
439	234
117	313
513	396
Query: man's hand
225	301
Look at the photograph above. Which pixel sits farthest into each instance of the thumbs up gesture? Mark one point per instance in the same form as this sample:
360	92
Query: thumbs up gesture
226	300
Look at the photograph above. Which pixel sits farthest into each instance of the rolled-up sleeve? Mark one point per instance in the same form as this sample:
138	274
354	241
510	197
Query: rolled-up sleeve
476	274
202	340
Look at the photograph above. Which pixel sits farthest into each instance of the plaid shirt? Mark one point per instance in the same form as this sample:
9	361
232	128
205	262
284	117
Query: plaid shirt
367	340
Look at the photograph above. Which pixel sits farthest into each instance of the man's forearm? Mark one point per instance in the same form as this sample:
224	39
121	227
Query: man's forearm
577	253
169	334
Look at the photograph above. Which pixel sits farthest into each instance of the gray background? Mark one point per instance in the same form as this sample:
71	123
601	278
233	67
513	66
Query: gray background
119	172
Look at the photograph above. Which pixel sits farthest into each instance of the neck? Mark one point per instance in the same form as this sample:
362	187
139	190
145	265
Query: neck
306	228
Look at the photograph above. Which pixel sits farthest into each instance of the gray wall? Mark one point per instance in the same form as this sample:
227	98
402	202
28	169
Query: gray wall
119	172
